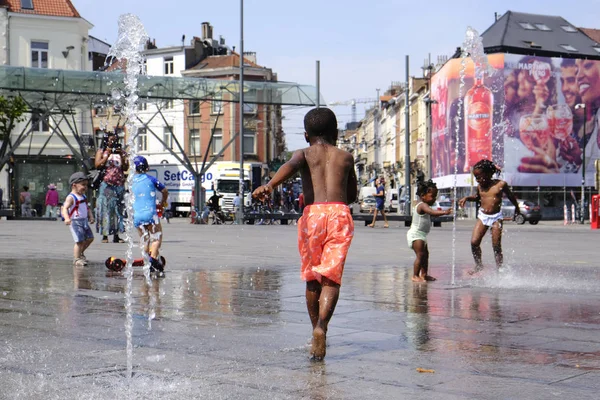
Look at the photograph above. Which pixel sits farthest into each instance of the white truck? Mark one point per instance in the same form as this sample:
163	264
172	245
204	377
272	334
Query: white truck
223	176
227	181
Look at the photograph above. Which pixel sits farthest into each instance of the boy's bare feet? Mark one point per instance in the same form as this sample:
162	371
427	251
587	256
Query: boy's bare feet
386	226
318	344
476	270
418	279
371	226
430	278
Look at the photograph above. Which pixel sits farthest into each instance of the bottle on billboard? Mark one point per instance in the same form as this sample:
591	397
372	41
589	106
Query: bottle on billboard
479	106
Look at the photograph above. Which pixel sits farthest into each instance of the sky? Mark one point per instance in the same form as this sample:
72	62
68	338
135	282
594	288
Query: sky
361	45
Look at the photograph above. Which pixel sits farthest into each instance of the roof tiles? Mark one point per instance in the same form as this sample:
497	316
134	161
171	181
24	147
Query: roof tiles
228	61
54	8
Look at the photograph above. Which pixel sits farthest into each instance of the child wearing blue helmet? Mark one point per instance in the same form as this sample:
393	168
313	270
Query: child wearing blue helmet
145	216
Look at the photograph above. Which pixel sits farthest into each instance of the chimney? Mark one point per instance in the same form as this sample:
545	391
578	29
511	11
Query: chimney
250	56
207	31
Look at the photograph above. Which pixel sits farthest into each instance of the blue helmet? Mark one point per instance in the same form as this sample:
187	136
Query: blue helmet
141	164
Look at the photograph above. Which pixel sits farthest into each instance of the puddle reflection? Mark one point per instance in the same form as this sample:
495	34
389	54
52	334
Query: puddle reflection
206	293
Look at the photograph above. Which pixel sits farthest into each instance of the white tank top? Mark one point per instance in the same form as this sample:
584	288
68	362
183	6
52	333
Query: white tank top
79	209
420	222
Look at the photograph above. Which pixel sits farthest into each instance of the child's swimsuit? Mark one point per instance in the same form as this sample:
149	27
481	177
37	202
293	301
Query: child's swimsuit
419	227
325	232
144	206
489	220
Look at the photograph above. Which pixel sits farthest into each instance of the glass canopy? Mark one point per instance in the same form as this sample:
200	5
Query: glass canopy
50	88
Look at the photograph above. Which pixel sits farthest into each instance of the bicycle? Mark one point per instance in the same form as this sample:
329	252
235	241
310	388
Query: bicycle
220	218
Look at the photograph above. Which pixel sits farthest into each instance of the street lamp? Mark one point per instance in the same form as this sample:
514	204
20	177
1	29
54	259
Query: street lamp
582	211
240	213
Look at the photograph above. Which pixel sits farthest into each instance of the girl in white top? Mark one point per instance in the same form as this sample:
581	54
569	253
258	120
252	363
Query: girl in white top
420	227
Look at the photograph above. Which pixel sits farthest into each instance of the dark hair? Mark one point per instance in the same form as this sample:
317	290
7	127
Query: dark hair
487	167
425	187
105	137
26	188
320	122
567	62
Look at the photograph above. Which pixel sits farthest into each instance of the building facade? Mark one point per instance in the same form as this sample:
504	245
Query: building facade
43	34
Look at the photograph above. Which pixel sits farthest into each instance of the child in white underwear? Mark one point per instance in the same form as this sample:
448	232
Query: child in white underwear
420	227
489	193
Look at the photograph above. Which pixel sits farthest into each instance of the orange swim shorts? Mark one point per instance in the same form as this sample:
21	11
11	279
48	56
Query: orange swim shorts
325	232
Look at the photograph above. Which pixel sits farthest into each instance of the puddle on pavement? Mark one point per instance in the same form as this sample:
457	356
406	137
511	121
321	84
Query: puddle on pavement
527	316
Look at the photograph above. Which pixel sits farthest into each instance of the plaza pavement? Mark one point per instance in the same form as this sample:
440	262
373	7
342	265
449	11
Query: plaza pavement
231	322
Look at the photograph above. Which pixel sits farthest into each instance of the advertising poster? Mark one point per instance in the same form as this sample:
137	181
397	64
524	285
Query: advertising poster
542	127
477	136
550	113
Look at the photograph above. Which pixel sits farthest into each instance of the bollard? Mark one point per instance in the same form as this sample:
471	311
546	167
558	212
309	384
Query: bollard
595	212
573	214
566	218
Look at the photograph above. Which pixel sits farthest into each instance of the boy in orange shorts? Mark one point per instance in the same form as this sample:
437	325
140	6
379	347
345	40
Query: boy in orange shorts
326	228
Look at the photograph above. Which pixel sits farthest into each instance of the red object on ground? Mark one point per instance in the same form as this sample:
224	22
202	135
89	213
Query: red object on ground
595	215
117	264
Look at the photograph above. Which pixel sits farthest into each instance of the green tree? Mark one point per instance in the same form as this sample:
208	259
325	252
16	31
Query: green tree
12	112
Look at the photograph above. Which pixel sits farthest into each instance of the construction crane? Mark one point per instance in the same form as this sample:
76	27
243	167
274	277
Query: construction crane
353	103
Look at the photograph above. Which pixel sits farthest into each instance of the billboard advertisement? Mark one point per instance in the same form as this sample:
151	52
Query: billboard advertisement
466	128
543	118
550	117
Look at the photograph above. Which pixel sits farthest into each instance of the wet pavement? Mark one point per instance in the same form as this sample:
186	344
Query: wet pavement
231	322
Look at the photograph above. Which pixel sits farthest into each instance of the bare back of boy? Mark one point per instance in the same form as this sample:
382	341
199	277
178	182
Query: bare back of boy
325	174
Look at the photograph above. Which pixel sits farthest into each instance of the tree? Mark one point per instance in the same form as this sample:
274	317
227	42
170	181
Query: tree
12	112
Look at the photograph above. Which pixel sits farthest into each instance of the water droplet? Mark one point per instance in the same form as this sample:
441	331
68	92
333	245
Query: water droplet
116	94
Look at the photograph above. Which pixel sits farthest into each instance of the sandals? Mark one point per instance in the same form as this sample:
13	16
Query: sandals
104	239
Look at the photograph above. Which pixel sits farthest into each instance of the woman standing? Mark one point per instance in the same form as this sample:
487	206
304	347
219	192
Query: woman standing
51	202
113	160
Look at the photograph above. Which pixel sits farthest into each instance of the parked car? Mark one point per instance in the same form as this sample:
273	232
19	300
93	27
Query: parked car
442	205
367	205
530	211
392	202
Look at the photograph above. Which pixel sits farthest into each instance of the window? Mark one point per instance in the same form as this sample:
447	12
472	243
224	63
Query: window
249	142
216	107
217	142
100	110
99	136
527	25
250	108
40	122
169	66
39	54
168	137
168	104
142	139
568	28
27	4
542	27
144	68
142	106
194	107
568	47
194	142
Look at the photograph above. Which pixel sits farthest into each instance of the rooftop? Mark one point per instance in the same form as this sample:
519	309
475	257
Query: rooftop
226	61
54	8
542	35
